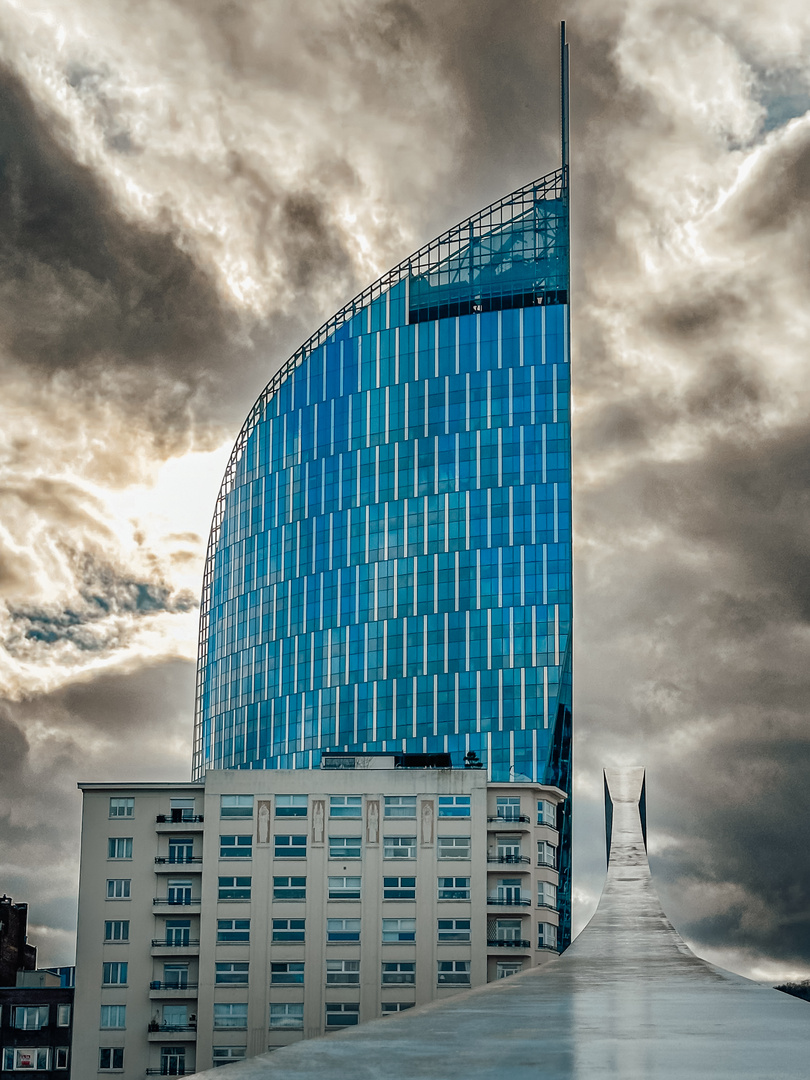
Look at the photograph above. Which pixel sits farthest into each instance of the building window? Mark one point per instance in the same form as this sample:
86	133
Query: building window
178	931
454	888
231	973
341	1014
395	1006
110	1058
31	1017
508	931
290	847
181	849
546	854
26	1058
399	847
507	807
116	930
118	888
398	930
175	976
508	892
454	973
113	1016
454	930
225	1055
178	891
182	809
230	1015
399	974
236	806
172	1061
119	847
235	847
546	936
453	847
233	931
546	813
234	888
344	888
509	849
288	1015
287	971
291	806
114	973
546	895
399	888
63	1015
342	972
342	929
122	808
503	969
400	806
289	888
344	847
288	929
346	806
176	1018
454	806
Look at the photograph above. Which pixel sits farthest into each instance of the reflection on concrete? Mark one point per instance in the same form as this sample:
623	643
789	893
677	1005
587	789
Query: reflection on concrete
628	1000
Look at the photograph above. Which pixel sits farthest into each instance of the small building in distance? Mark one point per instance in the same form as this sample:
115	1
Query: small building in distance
222	918
36	1006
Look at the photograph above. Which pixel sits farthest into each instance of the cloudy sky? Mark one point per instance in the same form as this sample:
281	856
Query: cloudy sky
189	187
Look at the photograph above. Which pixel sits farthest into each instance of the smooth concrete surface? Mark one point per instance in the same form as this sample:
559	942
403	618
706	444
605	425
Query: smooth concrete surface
628	1000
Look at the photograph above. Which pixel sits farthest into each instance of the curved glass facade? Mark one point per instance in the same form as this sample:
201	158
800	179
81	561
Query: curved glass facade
390	563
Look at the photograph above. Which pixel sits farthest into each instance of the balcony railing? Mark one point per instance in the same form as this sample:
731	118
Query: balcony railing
157	985
178	818
153	1026
512	819
509	901
167	1070
179	901
170	943
178	860
508	943
508	858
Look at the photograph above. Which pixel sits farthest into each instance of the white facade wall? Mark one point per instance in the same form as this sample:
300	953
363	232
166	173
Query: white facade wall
201	1035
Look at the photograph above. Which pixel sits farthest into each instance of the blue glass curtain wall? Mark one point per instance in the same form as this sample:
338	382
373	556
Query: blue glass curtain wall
391	569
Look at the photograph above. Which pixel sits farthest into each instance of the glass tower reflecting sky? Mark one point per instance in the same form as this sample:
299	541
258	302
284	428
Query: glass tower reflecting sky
389	566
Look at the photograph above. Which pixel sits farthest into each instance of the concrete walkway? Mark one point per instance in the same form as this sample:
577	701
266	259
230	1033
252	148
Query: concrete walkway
628	1000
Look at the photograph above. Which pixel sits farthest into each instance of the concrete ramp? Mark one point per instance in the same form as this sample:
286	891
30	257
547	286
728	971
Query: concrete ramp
628	1000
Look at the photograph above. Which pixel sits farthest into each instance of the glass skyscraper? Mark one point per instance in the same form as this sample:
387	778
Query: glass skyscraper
389	567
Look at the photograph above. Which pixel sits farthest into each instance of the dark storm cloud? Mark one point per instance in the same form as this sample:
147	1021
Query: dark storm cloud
80	282
125	726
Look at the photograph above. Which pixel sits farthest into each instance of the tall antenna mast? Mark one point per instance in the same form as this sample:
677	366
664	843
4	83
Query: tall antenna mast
564	102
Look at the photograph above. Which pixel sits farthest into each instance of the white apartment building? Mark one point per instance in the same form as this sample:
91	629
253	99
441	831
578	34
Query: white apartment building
221	919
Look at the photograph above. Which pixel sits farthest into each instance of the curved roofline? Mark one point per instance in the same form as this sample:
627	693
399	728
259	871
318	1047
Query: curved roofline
551	185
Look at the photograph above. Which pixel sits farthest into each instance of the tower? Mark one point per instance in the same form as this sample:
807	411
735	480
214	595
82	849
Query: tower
389	565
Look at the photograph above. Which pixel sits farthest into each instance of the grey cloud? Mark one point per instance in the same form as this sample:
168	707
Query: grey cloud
81	283
127	726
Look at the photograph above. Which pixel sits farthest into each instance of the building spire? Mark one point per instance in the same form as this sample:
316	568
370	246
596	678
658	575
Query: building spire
564	102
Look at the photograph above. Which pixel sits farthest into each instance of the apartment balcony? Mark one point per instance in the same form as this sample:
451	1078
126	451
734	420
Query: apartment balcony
165	947
171	1032
184	903
178	823
509	901
172	990
512	824
169	1070
509	943
166	864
